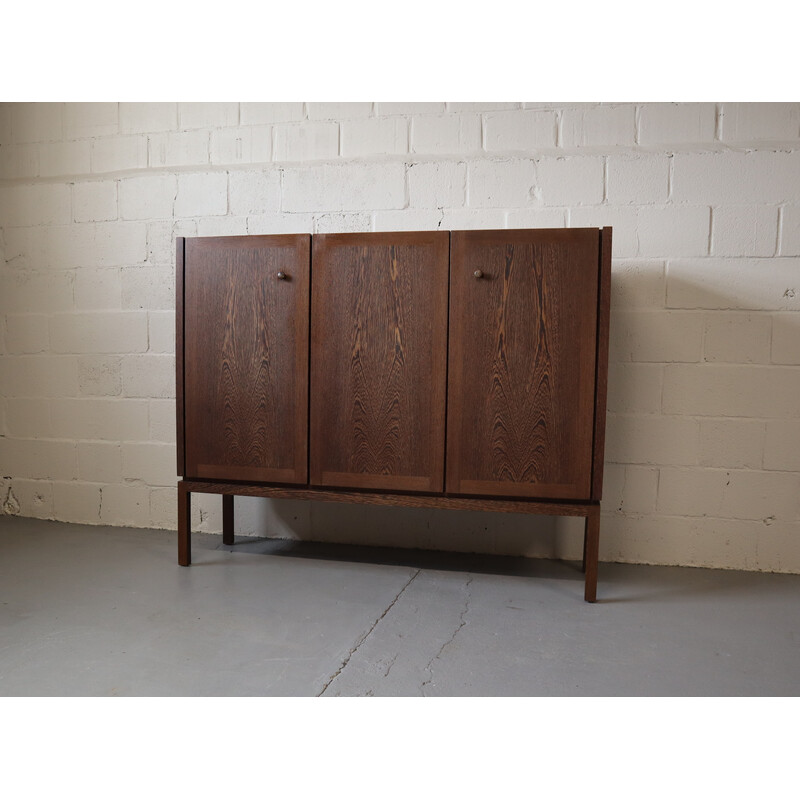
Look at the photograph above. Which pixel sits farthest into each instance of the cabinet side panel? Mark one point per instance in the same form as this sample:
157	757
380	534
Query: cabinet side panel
246	362
179	410
603	324
523	322
379	360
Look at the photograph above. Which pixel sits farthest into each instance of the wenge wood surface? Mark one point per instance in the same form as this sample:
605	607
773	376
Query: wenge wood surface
378	360
393	499
522	362
246	357
601	391
179	393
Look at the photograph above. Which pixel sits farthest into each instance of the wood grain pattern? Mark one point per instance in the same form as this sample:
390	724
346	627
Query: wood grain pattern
522	362
601	389
378	360
246	357
179	394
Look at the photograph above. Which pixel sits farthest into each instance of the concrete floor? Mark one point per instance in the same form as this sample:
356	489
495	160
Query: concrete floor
91	611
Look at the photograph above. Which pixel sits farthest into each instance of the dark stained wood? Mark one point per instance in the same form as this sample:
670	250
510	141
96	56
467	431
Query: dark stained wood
179	426
601	390
227	519
523	322
591	548
378	360
184	524
395	499
246	357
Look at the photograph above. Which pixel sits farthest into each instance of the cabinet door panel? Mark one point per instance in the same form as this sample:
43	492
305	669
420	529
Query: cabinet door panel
523	318
378	360
246	358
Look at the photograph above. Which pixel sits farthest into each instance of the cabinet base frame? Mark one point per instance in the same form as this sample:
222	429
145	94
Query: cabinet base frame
590	511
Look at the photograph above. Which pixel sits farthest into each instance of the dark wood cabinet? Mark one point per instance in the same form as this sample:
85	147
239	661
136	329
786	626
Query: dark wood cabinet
462	370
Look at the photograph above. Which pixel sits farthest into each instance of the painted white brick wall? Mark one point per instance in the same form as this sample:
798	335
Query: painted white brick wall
704	412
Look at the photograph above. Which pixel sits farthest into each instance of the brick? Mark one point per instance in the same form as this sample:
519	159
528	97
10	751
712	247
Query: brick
759	122
108	419
161	332
734	178
731	443
778	547
36	204
625	242
147	197
790	231
87	120
100	462
307	141
27	333
100	376
28	418
41	375
633	491
537	218
151	463
19	161
437	184
149	375
277	222
5	123
407	219
374	136
782	445
74	501
677	123
270	113
102	244
99	332
94	201
651	439
241	145
164	509
737	338
458	107
638	179
338	110
500	182
147	288
723	390
520	130
162	421
447	134
737	494
207	115
184	149
202	194
147	117
388	109
673	230
255	192
98	289
125	505
65	158
740	284
657	336
222	226
343	222
468	219
571	180
37	122
36	291
601	126
786	338
118	153
38	459
744	231
634	388
35	498
344	187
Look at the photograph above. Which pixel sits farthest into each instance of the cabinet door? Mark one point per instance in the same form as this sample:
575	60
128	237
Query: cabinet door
523	319
245	332
379	360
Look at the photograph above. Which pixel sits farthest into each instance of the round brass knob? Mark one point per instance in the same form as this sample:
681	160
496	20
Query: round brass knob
281	276
478	273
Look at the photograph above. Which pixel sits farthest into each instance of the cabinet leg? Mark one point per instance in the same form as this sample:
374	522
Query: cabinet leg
227	519
184	525
591	547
